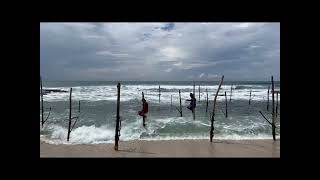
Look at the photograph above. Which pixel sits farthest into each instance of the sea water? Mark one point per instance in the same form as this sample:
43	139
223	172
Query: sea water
97	117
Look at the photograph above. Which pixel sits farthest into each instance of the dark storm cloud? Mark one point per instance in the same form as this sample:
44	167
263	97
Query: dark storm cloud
159	51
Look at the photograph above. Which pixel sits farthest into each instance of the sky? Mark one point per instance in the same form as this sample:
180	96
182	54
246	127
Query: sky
159	51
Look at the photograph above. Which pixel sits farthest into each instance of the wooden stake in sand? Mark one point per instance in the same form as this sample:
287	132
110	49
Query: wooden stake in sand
225	94
207	101
273	118
117	120
70	112
213	112
41	96
70	128
268	98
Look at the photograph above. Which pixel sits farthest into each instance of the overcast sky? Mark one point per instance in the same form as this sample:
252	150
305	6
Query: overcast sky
159	51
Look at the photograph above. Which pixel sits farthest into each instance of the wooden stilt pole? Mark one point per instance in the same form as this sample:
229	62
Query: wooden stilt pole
180	104
213	112
199	93
277	106
159	94
117	120
79	107
171	102
250	97
265	118
194	92
70	112
268	98
273	118
41	96
194	95
225	95
207	101
143	117
194	114
231	92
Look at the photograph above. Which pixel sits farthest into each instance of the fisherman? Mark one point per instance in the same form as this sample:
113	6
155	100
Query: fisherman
144	110
192	104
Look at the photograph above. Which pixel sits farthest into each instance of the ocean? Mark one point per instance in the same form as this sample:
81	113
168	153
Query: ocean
97	117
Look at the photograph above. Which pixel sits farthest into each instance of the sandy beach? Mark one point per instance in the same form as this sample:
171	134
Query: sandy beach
167	148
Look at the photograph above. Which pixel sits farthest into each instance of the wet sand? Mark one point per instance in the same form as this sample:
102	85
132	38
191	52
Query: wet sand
167	148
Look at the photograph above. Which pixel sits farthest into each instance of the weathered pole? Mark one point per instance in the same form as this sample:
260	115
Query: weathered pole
171	101
225	95
180	104
265	118
70	112
213	112
194	92
268	98
231	92
250	97
143	117
117	120
277	106
41	96
207	101
79	107
199	93
159	94
194	95
273	119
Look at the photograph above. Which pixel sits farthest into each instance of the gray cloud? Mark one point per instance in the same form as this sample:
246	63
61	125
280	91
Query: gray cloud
159	51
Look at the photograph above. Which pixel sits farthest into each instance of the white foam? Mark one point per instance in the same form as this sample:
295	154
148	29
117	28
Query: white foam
131	92
135	131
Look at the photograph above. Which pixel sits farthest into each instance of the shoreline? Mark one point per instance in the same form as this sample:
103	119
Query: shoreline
167	148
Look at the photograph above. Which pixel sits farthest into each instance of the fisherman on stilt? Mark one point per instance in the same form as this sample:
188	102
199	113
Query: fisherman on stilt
192	104
144	110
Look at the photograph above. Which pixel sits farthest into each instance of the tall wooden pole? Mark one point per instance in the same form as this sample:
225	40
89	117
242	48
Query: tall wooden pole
171	101
79	107
159	94
268	98
214	108
199	93
231	92
117	120
194	95
277	106
250	97
41	96
180	104
207	101
225	95
273	119
194	92
70	112
143	117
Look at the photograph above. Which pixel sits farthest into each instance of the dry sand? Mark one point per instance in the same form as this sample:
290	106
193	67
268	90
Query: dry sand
167	148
